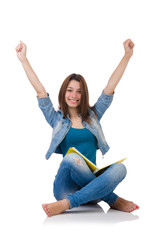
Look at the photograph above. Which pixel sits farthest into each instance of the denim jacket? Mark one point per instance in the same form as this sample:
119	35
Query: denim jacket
62	125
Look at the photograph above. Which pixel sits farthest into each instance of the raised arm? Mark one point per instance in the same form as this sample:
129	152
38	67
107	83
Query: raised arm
118	73
21	54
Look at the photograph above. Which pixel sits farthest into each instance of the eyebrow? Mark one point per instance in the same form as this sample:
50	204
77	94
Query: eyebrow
72	88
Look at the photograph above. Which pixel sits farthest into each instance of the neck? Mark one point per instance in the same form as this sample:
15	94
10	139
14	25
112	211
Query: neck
73	112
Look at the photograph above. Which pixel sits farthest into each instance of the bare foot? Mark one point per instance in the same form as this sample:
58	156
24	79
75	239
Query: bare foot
124	205
56	207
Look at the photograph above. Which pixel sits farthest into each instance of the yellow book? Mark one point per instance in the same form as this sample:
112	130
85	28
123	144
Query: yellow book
97	171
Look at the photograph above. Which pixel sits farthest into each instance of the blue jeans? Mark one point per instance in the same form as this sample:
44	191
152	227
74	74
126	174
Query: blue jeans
76	182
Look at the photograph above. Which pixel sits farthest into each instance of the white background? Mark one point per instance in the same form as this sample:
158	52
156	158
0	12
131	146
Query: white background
85	37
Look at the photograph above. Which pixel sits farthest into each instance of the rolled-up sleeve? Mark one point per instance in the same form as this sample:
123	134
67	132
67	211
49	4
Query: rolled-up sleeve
48	110
103	104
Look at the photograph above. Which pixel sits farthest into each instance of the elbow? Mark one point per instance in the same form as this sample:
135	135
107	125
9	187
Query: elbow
108	91
42	94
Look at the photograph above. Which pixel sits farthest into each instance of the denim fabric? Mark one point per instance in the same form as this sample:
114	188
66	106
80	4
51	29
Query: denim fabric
62	125
75	182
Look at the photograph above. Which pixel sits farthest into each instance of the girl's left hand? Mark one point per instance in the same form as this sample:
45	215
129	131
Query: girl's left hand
128	46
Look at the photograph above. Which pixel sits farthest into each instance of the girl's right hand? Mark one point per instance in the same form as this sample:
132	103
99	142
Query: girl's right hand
21	51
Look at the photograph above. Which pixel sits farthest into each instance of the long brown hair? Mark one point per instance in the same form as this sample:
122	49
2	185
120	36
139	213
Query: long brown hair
84	103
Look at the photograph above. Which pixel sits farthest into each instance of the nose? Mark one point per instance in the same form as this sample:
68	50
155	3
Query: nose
74	95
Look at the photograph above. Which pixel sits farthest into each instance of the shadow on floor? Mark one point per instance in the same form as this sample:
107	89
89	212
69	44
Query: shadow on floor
91	213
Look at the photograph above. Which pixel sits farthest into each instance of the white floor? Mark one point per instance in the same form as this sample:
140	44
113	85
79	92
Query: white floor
26	220
102	222
90	214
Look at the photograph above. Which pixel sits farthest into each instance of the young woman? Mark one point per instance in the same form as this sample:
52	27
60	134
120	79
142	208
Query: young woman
76	124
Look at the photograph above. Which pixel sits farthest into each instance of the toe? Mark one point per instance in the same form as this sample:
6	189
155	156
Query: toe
135	207
49	214
44	206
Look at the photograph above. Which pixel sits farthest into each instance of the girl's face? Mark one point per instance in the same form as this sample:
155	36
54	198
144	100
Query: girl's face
73	94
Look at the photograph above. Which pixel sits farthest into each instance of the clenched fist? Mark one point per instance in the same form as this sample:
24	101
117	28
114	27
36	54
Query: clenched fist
21	51
128	46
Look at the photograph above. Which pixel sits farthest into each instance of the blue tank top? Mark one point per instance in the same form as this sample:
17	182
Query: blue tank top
83	140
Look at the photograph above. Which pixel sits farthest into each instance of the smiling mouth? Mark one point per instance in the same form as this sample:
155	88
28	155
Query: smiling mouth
73	101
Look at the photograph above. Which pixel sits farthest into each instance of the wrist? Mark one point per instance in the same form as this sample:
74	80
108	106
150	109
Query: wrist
24	61
127	56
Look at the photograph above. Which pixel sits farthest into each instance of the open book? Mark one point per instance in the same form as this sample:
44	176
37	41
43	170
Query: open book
97	171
